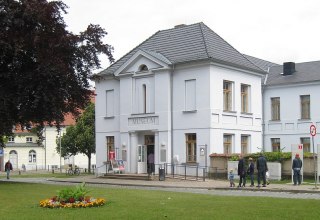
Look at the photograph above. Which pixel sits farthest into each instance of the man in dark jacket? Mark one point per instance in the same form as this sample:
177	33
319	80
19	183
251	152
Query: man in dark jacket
8	168
262	169
242	172
296	167
250	171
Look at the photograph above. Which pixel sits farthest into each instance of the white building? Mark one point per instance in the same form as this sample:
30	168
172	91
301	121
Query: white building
23	150
183	94
291	104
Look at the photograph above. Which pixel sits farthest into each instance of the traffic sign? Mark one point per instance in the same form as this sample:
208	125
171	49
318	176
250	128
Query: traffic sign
313	130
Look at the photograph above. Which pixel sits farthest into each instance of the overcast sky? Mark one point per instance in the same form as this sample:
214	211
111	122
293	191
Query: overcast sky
275	30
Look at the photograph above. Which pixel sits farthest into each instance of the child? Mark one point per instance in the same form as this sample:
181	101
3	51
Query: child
231	178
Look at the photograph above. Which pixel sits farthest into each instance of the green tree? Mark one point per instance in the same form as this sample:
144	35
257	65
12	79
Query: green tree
80	138
44	68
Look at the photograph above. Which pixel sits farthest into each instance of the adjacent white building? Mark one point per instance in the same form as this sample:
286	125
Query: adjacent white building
24	151
182	94
291	104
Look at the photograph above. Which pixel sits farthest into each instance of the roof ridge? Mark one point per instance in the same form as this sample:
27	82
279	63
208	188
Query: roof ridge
204	39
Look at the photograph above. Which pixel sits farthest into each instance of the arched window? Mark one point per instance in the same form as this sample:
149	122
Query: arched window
13	157
143	68
32	156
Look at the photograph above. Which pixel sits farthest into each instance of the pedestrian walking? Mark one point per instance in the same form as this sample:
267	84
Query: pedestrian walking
296	167
242	172
231	178
150	164
250	171
262	169
8	168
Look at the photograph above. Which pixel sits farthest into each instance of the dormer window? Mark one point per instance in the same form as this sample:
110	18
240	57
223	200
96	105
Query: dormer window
143	68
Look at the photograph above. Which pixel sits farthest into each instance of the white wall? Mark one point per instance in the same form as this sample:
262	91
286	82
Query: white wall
290	128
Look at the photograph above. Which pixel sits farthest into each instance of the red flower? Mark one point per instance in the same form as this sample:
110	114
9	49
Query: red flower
72	200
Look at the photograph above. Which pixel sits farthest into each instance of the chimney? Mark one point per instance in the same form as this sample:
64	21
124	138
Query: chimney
180	25
289	68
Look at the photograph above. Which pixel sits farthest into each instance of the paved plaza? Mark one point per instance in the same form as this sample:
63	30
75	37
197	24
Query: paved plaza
211	187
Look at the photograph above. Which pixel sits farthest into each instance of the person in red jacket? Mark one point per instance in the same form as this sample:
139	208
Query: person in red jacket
8	168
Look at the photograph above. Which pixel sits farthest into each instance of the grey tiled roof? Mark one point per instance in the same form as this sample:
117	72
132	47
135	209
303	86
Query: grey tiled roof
189	43
263	64
305	72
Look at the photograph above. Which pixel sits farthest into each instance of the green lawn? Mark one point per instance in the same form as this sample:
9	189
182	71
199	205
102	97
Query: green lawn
20	201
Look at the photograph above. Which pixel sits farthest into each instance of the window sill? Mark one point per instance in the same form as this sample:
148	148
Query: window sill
108	117
232	112
275	121
246	113
142	114
304	119
189	111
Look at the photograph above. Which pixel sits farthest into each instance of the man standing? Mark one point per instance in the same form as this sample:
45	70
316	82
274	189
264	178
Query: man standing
262	169
241	172
150	161
8	168
251	171
296	167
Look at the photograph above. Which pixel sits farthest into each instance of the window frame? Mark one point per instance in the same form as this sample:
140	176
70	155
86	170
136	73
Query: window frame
305	107
228	96
29	140
275	108
306	145
227	143
245	144
32	156
191	142
276	144
245	98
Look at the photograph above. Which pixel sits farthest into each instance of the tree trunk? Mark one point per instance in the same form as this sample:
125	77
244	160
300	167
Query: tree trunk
89	162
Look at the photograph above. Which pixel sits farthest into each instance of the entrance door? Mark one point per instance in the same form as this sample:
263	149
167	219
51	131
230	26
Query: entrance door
142	159
13	157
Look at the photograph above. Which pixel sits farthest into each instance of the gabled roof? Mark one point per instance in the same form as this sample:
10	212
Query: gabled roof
187	43
305	72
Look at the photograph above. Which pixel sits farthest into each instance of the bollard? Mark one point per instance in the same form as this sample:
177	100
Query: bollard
52	170
19	172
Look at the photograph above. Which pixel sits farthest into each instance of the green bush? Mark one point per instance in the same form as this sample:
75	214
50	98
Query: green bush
77	194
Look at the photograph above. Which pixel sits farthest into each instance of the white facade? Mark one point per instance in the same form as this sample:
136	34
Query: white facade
24	150
168	103
291	129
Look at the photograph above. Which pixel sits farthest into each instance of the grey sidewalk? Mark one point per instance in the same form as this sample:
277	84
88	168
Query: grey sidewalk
173	183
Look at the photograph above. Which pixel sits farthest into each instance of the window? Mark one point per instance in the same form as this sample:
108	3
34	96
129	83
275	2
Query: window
275	142
144	98
11	139
191	143
143	68
227	95
306	144
28	139
227	144
110	103
32	156
244	144
305	106
149	140
245	89
110	144
275	109
190	95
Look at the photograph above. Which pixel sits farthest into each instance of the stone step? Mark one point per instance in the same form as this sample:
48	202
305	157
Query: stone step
127	176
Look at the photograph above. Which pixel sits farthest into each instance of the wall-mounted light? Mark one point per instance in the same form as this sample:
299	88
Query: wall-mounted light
163	144
124	144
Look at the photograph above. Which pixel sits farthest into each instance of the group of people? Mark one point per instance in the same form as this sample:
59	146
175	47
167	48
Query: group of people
262	168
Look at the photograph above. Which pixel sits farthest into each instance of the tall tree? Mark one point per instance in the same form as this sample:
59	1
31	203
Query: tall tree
81	137
44	68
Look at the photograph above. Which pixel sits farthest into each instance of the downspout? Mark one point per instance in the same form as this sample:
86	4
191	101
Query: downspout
171	116
263	117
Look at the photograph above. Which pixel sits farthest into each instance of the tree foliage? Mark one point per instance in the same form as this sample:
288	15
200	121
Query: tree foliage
80	138
44	68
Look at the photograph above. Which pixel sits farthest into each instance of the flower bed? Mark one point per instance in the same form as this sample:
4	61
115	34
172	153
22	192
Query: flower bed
72	198
90	202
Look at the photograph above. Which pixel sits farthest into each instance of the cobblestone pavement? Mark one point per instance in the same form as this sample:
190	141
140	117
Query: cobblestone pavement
210	187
